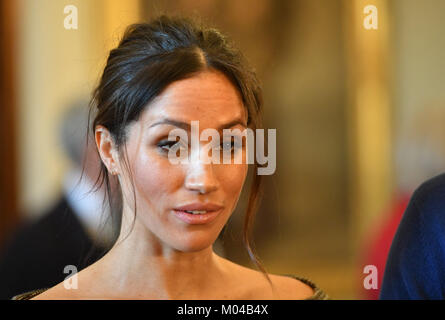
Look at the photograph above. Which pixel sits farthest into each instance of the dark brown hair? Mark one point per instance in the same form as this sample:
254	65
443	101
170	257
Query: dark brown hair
149	57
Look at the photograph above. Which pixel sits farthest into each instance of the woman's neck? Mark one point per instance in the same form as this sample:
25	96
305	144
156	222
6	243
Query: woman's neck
139	265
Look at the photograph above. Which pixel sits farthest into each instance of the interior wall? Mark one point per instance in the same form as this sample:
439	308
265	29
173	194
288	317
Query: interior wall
419	82
58	65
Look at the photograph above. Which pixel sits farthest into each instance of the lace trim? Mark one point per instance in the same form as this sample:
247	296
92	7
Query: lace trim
28	295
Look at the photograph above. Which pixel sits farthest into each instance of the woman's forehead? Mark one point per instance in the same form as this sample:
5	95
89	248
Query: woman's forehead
208	97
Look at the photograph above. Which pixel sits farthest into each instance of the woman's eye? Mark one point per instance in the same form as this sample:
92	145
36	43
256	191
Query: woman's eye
166	145
228	146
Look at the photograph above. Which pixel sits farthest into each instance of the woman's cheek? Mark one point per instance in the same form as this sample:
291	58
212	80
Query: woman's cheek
156	176
233	177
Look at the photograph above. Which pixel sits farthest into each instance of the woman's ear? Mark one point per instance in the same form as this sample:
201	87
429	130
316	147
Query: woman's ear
107	150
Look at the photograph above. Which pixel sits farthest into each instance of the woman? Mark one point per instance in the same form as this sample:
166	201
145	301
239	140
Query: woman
162	76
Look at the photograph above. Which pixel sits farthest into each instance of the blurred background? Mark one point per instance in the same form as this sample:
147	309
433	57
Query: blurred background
359	116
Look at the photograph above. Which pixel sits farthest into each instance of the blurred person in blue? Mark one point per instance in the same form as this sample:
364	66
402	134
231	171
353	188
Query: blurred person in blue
415	266
73	231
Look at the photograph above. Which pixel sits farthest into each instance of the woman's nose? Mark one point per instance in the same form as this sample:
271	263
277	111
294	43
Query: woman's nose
201	178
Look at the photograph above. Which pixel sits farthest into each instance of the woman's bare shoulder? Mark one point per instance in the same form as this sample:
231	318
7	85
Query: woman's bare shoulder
70	288
290	288
58	292
286	287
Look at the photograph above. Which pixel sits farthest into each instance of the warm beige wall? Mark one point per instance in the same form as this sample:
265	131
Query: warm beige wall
419	82
55	66
369	113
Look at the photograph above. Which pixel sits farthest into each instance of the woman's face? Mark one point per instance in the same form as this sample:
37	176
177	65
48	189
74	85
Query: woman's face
166	192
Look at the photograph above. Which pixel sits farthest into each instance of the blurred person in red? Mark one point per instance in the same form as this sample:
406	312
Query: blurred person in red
420	155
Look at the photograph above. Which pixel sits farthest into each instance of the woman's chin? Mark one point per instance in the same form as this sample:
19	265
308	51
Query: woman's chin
193	244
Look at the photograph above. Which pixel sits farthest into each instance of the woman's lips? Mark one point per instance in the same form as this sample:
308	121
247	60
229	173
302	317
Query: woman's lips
199	206
196	218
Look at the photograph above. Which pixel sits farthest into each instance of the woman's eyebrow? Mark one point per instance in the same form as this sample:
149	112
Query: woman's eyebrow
186	126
